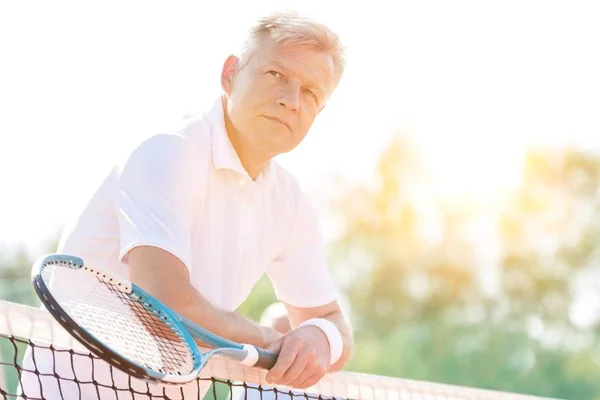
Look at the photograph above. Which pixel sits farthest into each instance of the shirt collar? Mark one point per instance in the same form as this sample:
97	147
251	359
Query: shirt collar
223	153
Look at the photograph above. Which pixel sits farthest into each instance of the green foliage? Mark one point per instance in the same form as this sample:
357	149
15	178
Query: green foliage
15	281
420	306
261	297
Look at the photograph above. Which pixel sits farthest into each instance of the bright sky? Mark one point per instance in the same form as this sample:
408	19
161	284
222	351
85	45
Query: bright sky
475	81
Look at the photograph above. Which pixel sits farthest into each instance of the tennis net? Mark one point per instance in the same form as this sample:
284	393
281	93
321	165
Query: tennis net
23	328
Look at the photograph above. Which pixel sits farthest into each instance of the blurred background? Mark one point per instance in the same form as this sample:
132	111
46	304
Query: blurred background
456	170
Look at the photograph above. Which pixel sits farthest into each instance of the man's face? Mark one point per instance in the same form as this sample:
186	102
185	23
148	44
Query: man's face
274	99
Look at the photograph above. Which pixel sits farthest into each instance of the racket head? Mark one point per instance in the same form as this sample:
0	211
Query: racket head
117	321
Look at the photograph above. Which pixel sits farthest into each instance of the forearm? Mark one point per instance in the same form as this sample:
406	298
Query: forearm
227	324
166	278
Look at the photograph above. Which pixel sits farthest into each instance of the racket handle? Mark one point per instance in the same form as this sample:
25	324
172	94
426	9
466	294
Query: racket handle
266	359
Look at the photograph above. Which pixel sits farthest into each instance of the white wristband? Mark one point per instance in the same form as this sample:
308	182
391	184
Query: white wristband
334	337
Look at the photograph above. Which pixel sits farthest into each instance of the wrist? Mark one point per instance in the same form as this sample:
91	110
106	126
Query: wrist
270	336
332	333
318	333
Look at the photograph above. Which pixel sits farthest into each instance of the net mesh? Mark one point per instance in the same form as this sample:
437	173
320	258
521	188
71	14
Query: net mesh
25	330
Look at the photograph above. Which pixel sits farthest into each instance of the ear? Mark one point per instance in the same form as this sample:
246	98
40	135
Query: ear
228	73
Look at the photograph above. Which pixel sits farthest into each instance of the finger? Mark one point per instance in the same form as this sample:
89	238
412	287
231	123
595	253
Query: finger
286	357
309	376
310	381
298	371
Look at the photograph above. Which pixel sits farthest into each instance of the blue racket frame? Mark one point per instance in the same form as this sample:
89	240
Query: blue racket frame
185	329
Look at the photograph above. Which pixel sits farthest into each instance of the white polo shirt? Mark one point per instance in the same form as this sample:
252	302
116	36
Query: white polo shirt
187	192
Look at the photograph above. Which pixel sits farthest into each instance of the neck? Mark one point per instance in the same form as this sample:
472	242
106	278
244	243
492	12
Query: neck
252	160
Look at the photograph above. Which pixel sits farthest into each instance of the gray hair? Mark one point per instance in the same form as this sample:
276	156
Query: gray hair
290	27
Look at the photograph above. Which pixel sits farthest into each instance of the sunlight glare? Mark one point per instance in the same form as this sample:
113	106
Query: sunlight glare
474	169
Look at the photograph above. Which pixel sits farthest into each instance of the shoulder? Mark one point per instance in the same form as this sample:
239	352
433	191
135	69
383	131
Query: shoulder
188	136
184	147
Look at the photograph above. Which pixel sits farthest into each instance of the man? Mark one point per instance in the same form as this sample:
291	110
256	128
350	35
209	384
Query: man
196	216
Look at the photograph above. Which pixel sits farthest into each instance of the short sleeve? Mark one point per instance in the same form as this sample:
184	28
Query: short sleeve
299	274
156	197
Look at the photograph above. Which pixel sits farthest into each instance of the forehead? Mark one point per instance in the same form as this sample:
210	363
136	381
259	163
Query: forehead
311	66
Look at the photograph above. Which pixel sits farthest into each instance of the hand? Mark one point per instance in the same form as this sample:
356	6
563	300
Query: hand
304	358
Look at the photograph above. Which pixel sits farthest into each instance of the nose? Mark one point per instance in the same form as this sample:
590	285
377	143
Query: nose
290	97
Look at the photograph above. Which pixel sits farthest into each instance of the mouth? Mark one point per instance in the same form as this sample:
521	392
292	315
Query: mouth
278	120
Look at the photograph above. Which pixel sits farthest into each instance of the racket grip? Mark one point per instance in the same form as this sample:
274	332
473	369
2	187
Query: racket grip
266	359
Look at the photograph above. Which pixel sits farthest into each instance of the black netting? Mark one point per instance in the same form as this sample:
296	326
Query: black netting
13	373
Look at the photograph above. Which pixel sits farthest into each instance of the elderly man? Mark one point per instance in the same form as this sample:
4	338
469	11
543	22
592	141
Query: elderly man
197	215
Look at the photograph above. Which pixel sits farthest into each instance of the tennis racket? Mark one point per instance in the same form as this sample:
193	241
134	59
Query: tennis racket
127	327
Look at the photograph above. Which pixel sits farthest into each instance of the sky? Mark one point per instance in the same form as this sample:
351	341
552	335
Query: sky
475	82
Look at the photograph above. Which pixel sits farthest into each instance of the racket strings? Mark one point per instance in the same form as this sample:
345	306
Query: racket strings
171	344
124	322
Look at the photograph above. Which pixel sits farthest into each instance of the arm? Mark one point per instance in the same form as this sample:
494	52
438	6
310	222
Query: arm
333	313
164	276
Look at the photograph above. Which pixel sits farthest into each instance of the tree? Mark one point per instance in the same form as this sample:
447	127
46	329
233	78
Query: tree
413	274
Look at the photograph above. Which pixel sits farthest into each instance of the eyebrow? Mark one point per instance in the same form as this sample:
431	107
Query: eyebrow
288	71
283	67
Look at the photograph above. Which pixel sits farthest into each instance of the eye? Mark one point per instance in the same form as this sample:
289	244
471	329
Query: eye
312	94
276	74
